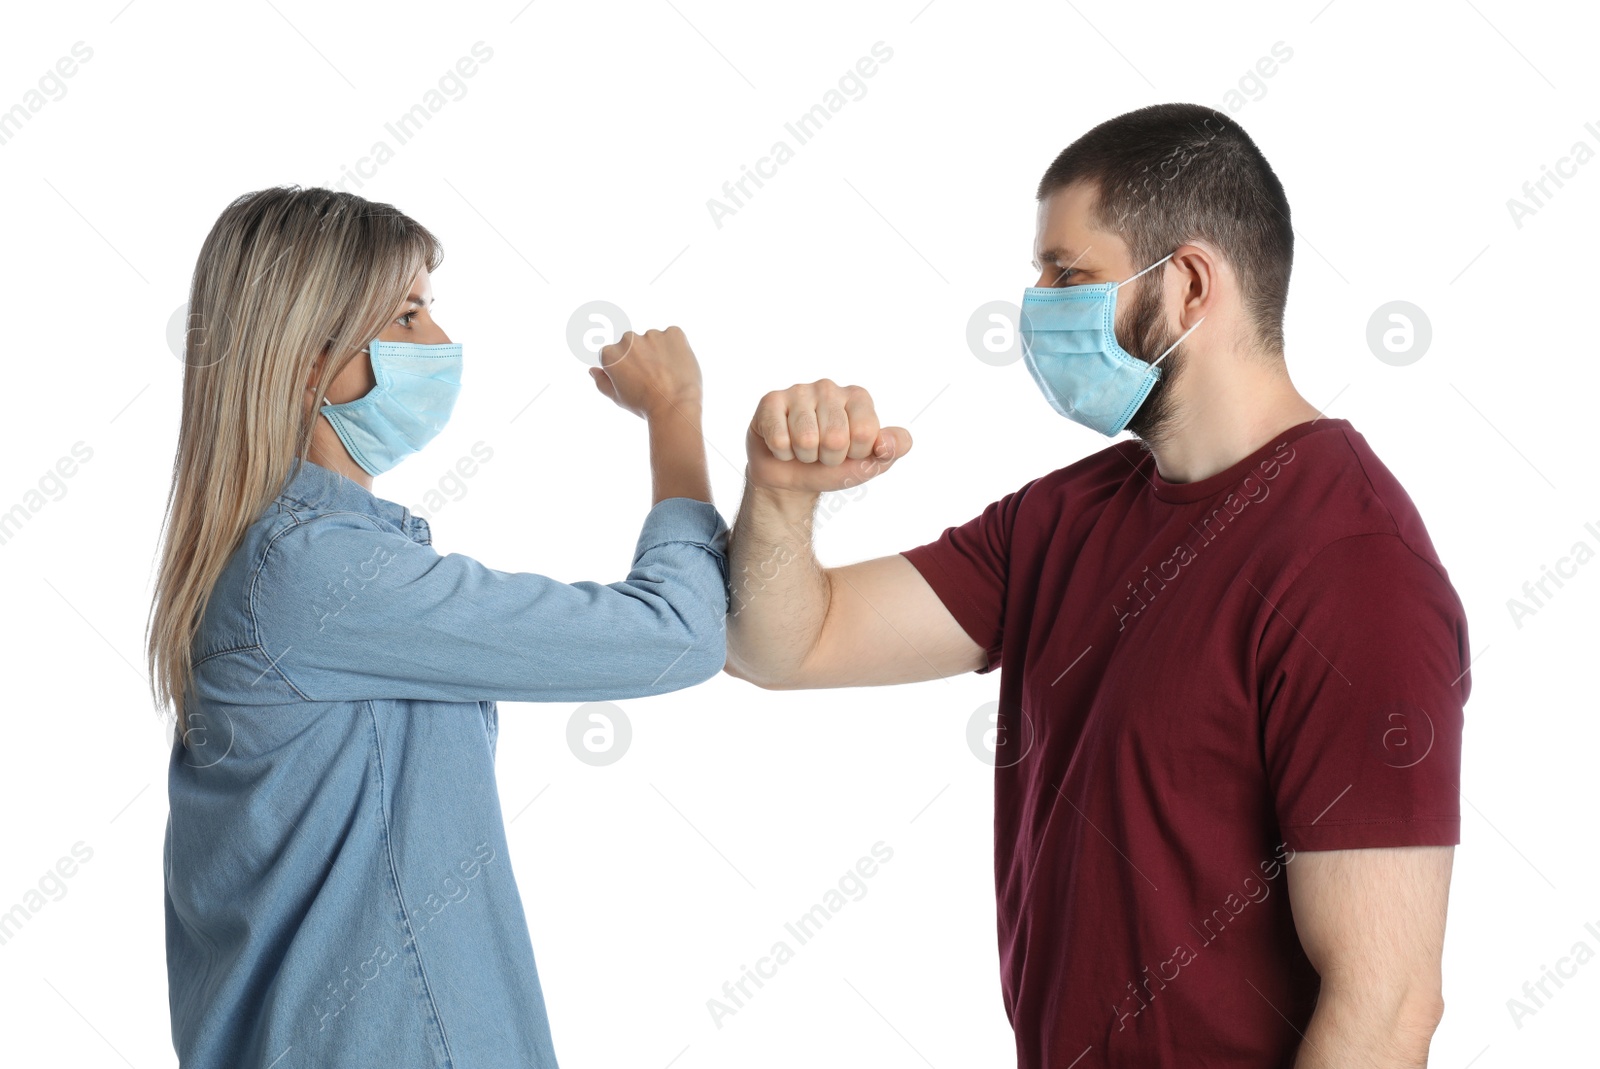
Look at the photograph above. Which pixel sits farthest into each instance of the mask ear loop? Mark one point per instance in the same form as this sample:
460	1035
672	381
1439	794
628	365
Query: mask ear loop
1174	345
1186	333
1152	267
367	350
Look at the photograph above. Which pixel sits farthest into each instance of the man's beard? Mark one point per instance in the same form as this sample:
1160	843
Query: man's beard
1148	336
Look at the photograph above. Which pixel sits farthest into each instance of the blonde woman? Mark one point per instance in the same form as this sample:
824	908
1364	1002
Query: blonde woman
338	890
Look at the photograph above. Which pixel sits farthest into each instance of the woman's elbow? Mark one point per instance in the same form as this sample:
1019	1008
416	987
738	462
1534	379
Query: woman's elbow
697	651
710	647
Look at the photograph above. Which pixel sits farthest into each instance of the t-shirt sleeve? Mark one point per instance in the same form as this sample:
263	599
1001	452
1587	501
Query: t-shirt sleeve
967	566
1362	669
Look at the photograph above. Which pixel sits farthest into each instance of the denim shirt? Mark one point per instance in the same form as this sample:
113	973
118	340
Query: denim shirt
338	886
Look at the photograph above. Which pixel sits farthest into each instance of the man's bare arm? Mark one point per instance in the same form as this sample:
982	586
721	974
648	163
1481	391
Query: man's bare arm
793	624
1372	922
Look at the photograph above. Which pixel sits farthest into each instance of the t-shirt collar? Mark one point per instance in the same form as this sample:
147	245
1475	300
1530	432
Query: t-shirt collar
1183	493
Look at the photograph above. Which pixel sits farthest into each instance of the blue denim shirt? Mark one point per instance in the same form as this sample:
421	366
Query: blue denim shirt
338	886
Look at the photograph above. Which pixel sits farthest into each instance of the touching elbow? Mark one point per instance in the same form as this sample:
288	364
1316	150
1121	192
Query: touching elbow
711	653
750	674
1414	1021
701	653
1425	1013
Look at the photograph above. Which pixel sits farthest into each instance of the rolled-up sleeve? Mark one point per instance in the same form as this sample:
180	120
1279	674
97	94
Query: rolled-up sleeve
347	609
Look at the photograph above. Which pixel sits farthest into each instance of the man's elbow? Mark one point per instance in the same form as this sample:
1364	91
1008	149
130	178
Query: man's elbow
1394	1025
1415	1008
738	670
1414	1025
750	673
1421	1013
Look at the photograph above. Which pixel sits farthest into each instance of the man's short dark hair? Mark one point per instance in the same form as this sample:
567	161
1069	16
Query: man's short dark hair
1171	173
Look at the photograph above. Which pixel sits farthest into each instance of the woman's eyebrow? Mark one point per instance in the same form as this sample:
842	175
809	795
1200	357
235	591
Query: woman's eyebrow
417	300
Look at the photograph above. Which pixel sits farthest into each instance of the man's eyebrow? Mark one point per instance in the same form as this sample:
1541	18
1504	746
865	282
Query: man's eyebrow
1055	255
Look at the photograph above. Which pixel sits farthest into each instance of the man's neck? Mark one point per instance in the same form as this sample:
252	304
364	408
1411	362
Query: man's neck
1223	419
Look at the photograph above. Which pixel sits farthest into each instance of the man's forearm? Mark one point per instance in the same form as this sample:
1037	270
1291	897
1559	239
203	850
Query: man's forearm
779	595
1367	1029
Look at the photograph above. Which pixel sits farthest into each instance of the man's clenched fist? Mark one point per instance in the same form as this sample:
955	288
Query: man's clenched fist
820	437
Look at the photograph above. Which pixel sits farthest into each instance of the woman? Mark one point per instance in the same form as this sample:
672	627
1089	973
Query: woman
338	891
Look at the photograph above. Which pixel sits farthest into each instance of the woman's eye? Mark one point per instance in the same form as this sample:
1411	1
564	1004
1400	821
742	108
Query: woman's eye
407	318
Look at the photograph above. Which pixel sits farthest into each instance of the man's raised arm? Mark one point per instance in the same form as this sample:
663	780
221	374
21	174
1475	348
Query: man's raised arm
793	624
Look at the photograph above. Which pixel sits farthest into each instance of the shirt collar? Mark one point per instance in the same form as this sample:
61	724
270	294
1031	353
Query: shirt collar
312	486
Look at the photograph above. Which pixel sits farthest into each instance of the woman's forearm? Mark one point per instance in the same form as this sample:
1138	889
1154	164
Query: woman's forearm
677	452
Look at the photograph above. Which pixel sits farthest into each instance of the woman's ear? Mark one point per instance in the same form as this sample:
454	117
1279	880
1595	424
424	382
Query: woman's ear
310	395
316	371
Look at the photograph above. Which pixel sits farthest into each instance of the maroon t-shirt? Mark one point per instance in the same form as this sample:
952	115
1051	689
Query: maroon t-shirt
1197	681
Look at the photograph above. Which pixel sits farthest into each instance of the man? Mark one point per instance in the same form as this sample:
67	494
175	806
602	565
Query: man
1232	666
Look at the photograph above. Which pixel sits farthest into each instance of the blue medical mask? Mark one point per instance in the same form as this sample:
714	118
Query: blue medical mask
416	388
1069	344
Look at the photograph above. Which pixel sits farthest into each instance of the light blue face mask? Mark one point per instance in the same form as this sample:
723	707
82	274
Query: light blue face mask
415	391
1069	344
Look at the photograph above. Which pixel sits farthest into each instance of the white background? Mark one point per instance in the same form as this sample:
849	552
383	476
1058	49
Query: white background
577	167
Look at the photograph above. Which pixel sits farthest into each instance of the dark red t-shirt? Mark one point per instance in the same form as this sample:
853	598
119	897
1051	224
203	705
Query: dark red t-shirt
1197	681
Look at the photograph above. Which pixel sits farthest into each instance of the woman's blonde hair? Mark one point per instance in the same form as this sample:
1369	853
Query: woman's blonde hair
285	276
